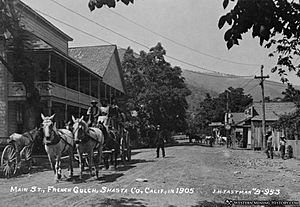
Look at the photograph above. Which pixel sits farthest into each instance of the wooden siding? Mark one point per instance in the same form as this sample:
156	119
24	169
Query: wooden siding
38	28
16	91
3	98
12	117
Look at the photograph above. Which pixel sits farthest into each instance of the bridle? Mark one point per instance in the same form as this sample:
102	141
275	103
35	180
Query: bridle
80	126
52	133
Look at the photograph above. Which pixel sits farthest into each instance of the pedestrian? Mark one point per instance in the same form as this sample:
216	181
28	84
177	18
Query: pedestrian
282	144
160	141
270	149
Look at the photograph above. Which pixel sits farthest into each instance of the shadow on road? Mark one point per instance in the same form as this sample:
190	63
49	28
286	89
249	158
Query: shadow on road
121	202
136	161
110	177
191	144
209	204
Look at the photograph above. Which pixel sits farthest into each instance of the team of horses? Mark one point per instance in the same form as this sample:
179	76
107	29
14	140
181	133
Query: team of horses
86	140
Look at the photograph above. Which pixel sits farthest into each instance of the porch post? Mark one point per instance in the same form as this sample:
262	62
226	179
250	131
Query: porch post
49	107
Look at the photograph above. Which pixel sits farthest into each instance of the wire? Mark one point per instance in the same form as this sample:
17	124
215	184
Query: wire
251	88
246	83
73	27
219	76
190	64
187	63
274	83
100	25
178	43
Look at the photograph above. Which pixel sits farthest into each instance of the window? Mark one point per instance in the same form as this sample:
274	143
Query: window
84	82
57	70
94	84
72	77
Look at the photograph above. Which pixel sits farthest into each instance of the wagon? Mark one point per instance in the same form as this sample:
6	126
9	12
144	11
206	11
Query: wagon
109	152
17	154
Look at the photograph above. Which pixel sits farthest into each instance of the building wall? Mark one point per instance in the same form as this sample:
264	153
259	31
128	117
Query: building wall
3	99
38	28
12	121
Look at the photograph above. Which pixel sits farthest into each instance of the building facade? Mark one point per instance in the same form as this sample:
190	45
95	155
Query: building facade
67	78
250	125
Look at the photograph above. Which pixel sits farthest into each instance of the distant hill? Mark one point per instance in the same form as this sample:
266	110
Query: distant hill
215	83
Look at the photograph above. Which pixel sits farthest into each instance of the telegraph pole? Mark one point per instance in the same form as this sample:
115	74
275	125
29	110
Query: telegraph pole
262	78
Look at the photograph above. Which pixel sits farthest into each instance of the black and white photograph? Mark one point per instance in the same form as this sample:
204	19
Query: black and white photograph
149	103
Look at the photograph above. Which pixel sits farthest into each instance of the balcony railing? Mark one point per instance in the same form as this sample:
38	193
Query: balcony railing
16	90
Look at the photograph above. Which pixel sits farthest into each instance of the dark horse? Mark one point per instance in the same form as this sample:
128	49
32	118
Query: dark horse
112	142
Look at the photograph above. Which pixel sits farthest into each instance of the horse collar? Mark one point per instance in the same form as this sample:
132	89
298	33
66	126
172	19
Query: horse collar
55	140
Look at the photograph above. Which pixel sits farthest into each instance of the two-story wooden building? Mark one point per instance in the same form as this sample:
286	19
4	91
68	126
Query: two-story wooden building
67	78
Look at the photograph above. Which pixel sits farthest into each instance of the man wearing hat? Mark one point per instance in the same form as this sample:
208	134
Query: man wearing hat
93	113
160	141
270	149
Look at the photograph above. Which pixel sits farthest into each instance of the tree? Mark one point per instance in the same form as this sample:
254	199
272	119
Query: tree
93	4
291	94
155	89
14	39
276	22
214	109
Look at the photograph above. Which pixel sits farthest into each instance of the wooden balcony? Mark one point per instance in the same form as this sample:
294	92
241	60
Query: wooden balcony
47	89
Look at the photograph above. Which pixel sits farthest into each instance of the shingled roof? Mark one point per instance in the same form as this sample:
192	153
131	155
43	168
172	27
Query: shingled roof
273	110
96	58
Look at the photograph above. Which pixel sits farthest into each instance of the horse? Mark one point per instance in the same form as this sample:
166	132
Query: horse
112	141
57	142
88	139
22	142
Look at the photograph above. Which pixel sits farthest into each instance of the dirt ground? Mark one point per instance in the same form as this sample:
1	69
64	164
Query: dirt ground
189	175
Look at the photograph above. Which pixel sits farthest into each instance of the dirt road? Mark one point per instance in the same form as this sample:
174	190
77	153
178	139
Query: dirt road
187	176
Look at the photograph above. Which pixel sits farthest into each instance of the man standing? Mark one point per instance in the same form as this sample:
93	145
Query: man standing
282	143
160	141
269	150
93	113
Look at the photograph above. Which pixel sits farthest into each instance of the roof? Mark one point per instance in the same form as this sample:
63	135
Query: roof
238	117
96	58
273	110
23	6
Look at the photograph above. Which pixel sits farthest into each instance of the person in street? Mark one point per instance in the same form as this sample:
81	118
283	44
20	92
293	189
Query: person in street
160	144
270	149
114	114
282	144
93	113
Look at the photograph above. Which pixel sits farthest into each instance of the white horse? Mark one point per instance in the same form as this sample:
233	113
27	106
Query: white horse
57	142
88	139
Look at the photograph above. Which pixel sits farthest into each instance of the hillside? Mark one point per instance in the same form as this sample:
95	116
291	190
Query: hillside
202	83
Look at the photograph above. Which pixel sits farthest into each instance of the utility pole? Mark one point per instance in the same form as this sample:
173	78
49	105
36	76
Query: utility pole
262	78
227	124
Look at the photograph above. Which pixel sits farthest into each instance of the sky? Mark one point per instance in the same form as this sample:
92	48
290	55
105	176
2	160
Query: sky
192	25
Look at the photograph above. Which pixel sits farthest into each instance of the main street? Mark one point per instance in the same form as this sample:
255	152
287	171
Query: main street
189	175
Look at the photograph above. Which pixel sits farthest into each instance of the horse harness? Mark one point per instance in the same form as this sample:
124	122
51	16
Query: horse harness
57	139
30	137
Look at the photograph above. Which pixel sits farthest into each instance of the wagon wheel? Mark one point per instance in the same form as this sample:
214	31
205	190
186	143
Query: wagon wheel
9	161
26	155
